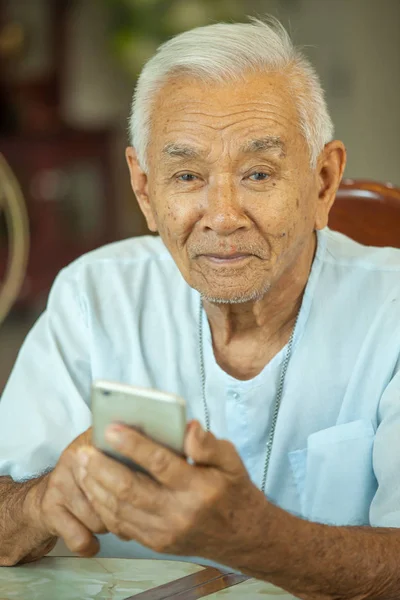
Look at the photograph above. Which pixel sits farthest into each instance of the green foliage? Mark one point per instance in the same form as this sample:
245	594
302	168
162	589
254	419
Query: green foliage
139	26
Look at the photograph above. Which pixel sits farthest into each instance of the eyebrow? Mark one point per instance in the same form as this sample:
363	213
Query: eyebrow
181	151
264	144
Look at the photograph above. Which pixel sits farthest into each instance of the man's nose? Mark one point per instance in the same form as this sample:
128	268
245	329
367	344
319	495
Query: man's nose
223	210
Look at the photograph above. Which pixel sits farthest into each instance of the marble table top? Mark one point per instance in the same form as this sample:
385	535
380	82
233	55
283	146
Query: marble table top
61	578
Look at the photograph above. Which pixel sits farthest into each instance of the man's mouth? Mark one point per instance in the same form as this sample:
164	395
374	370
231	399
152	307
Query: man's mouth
226	258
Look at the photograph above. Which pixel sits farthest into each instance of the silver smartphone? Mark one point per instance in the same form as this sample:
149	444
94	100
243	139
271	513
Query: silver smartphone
159	415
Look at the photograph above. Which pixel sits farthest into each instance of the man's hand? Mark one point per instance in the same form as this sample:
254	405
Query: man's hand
209	509
59	506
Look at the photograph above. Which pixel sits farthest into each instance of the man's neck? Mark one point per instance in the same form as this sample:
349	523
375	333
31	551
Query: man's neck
258	330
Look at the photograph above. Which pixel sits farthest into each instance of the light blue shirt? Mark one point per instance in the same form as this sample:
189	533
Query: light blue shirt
124	313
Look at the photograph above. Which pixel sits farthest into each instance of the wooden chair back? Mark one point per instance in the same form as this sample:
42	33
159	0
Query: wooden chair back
368	212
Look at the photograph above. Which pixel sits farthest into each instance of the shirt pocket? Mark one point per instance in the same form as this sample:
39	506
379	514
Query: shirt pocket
334	474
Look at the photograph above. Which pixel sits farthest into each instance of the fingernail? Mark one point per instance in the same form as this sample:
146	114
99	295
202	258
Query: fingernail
82	474
83	458
189	426
114	435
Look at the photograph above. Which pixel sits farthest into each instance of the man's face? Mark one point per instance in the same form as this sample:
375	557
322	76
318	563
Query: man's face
229	186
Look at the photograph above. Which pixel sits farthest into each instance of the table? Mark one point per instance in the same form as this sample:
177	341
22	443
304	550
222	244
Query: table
61	578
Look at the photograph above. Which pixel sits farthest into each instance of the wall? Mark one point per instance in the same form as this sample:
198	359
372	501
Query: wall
355	47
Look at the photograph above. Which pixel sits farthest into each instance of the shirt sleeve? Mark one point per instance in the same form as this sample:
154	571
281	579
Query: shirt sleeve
385	507
45	404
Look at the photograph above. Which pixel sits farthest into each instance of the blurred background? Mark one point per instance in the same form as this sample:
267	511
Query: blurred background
67	71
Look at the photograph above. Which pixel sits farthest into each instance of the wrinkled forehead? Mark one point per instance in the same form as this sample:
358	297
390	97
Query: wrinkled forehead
260	106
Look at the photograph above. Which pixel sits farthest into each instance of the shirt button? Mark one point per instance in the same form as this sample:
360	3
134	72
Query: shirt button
235	395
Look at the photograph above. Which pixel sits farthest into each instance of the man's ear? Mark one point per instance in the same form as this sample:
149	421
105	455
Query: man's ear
139	185
331	164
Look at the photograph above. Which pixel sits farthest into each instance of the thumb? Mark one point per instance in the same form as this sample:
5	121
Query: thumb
205	449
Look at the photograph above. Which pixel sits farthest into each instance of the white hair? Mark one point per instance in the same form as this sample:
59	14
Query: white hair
222	52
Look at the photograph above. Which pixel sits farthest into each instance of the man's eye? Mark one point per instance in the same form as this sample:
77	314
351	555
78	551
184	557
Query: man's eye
187	177
259	176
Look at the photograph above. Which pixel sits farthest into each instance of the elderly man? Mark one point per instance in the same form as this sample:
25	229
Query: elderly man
282	336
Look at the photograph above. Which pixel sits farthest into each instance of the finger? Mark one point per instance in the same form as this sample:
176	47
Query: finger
163	464
76	536
68	493
81	508
121	518
119	484
205	449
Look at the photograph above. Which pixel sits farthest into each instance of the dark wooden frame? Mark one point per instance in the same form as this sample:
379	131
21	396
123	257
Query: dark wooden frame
194	586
